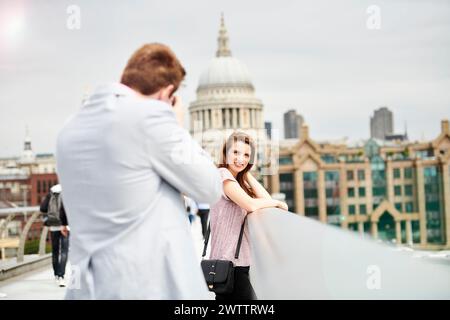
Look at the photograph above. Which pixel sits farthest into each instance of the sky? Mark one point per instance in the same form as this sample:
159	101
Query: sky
334	62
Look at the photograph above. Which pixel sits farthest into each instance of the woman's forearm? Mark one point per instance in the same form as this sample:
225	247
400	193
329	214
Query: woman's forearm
260	203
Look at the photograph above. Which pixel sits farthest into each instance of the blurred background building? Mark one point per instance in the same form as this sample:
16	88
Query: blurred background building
382	126
292	124
24	182
395	191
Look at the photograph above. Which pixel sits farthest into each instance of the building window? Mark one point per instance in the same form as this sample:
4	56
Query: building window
285	160
287	187
433	204
312	212
39	186
332	176
425	154
351	192
310	193
398	206
351	209
350	175
415	231
408	190
398	190
362	191
310	176
328	158
367	227
378	179
332	193
409	207
329	193
362	209
396	173
408	172
379	192
361	175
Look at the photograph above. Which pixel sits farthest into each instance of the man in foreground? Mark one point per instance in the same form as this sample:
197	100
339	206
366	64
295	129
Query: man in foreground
123	161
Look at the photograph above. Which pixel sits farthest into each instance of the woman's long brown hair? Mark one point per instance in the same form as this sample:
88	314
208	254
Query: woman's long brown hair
232	139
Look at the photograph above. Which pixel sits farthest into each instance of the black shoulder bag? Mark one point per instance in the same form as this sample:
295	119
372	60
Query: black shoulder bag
219	274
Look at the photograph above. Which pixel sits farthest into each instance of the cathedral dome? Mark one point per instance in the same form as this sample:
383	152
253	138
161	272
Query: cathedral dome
225	71
225	97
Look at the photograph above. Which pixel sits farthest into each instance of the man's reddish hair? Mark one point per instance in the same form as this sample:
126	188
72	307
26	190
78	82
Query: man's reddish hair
151	68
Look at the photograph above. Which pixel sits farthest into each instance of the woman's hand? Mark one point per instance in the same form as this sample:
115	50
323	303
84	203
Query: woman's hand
256	187
282	205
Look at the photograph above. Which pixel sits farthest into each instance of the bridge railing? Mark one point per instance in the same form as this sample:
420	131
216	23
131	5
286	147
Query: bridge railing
295	257
30	216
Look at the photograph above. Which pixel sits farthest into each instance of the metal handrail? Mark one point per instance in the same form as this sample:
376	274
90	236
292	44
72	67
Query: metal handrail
18	210
319	261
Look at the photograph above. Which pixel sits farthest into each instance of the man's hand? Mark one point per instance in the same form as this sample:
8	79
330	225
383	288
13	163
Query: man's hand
64	231
178	109
174	101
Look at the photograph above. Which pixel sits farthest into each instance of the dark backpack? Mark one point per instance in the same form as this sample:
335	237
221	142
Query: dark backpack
51	218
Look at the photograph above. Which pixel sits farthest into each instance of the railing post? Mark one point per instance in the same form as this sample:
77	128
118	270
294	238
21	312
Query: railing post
23	236
43	241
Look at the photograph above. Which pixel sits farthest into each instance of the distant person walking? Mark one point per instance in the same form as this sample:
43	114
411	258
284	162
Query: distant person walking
242	194
55	218
123	161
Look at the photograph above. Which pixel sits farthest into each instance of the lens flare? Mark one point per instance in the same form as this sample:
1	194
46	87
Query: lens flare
12	23
14	26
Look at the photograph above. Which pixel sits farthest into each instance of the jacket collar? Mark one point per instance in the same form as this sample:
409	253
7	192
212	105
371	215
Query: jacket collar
113	89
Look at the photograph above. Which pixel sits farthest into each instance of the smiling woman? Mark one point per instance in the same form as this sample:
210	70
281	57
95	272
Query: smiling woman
242	194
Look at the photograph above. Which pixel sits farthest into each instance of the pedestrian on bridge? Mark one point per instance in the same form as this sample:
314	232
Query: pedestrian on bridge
55	218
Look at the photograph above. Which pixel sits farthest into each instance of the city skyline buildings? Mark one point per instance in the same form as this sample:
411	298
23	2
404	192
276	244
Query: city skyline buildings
292	123
394	191
331	64
381	123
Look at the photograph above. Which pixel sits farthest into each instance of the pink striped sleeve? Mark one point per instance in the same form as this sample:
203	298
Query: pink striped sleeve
226	175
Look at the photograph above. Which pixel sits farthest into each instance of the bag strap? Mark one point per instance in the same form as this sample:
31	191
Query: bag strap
238	246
